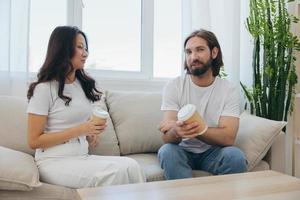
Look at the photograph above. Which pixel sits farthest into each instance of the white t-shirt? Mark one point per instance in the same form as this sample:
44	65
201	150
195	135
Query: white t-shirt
219	99
45	101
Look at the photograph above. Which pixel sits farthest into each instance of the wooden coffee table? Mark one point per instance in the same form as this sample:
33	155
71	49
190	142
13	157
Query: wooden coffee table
262	185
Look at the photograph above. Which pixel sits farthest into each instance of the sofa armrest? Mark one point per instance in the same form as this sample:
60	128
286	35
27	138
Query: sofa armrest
277	153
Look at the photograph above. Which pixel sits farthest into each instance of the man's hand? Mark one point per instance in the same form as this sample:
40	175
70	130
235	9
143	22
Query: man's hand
166	125
187	130
181	129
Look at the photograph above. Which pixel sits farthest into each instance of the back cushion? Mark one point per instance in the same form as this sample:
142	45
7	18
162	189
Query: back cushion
13	123
13	131
136	116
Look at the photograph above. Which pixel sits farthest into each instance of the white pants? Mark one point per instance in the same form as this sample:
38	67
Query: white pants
90	171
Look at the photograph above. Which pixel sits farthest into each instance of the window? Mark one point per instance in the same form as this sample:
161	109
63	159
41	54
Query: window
135	39
114	34
44	17
167	38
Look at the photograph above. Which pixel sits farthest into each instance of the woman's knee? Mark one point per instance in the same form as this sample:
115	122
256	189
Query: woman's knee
133	170
130	163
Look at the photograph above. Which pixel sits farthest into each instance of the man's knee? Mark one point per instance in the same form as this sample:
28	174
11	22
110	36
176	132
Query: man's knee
166	150
174	161
234	157
170	153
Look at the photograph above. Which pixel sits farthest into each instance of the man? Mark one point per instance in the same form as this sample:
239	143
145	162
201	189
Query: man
216	100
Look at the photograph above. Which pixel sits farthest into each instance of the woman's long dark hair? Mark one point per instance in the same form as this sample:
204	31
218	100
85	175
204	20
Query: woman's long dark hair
57	65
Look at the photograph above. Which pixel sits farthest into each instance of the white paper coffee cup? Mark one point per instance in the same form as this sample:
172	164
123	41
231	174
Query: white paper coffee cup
99	115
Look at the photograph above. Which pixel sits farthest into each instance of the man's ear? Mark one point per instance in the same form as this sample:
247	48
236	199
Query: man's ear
214	52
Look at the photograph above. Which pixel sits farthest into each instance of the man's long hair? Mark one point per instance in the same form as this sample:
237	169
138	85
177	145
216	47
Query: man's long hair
57	65
212	42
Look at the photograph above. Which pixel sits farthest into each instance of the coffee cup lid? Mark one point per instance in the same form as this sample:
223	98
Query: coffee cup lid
186	112
99	112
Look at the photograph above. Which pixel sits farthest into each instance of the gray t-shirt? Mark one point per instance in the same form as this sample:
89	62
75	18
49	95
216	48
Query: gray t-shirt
219	99
45	101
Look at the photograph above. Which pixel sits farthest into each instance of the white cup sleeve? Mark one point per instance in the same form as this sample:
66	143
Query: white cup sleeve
205	129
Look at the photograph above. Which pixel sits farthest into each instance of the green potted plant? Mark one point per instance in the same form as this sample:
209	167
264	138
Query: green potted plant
274	73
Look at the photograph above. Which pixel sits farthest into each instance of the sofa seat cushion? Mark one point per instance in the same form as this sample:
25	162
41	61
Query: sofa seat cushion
46	191
153	171
18	171
150	165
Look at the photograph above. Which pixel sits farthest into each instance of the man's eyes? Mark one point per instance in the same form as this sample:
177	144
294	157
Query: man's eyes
197	50
200	49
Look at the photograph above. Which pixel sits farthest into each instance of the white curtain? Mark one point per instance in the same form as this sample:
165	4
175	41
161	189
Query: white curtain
14	23
227	20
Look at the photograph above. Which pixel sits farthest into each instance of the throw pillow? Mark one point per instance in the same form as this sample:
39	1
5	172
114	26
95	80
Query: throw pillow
255	137
136	116
18	171
13	123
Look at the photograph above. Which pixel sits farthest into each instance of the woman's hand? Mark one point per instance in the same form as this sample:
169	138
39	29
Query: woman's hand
38	139
89	128
92	140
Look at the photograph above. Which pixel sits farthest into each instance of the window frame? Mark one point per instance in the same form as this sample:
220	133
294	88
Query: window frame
74	18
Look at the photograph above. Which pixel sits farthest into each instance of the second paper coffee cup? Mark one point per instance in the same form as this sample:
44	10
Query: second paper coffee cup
189	114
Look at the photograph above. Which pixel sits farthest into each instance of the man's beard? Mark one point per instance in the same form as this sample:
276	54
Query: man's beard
202	70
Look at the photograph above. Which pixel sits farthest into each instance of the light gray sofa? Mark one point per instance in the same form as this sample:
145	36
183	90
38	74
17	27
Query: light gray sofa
132	131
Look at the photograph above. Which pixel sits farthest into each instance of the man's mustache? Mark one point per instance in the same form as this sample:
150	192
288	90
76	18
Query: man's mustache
197	62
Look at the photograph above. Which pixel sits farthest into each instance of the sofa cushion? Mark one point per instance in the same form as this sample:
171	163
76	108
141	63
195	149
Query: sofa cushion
18	170
261	166
46	192
136	117
15	114
108	142
13	123
150	164
255	137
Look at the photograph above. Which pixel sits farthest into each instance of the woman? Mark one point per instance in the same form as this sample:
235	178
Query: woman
60	106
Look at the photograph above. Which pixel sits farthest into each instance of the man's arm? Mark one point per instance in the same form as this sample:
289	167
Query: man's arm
167	127
224	134
174	131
